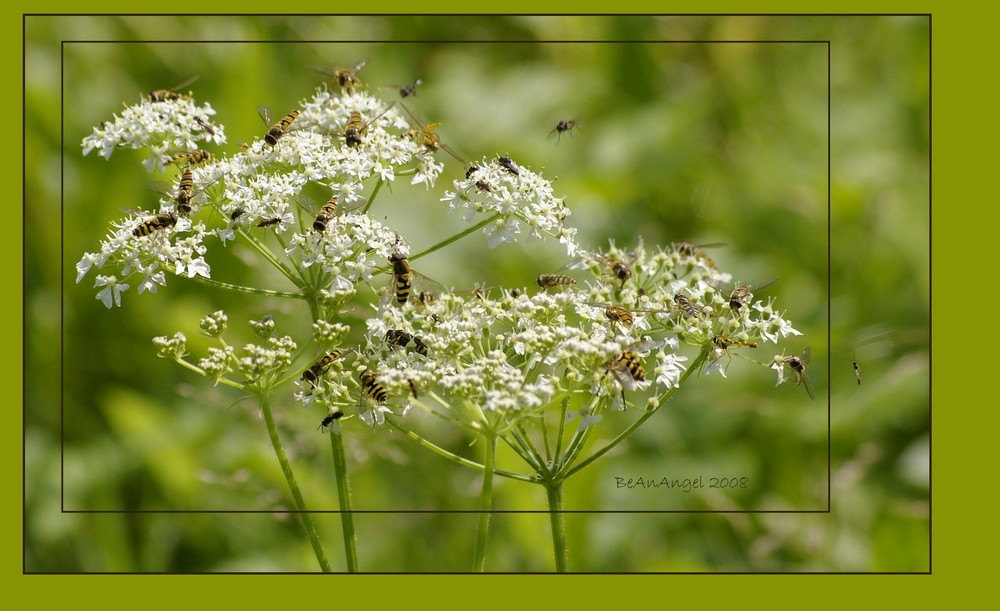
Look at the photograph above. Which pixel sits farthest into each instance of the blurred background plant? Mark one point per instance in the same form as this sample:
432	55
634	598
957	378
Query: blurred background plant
701	142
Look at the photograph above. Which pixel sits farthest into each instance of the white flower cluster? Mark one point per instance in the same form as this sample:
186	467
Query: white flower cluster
260	189
164	127
517	196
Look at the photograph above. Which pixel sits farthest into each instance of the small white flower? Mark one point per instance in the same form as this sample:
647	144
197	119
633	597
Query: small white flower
112	290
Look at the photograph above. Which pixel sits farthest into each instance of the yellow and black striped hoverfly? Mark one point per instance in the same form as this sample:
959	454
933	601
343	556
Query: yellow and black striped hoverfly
275	130
170	95
356	126
425	136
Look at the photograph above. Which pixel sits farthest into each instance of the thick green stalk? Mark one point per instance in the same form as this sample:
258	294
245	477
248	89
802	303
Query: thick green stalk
293	486
344	493
557	519
485	504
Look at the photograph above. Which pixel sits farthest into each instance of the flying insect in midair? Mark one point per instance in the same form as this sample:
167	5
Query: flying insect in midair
563	127
347	78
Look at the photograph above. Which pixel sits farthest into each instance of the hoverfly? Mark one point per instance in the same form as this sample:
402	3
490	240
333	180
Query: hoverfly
347	78
798	366
740	295
547	281
185	190
325	214
509	165
401	339
275	130
330	418
627	367
403	279
371	386
562	127
723	344
320	367
191	157
356	126
154	223
170	95
685	306
622	315
205	126
695	250
620	268
270	222
423	134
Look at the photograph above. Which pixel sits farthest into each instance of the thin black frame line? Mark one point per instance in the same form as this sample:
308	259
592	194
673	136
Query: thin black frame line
829	455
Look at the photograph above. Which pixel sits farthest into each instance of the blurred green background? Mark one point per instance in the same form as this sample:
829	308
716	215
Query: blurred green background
702	142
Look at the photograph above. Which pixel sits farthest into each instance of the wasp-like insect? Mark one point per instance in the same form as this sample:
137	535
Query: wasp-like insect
425	136
509	165
547	281
685	306
325	214
185	190
627	367
190	157
695	250
269	222
154	223
347	78
371	386
402	277
798	366
330	418
320	367
740	295
563	127
401	339
356	127
275	130
170	95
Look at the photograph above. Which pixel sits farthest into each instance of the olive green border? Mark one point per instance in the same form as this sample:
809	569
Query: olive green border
959	70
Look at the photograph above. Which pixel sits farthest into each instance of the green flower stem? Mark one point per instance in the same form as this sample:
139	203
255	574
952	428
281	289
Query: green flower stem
242	289
695	365
344	492
293	486
371	200
485	503
454	238
553	490
201	372
450	456
267	254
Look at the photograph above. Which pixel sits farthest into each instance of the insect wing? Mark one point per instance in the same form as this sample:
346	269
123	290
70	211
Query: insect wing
266	115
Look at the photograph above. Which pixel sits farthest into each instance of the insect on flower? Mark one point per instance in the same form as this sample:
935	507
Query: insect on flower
423	134
170	95
320	367
330	418
371	387
509	165
547	281
190	157
356	127
627	367
160	221
740	295
401	339
275	130
797	364
695	250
